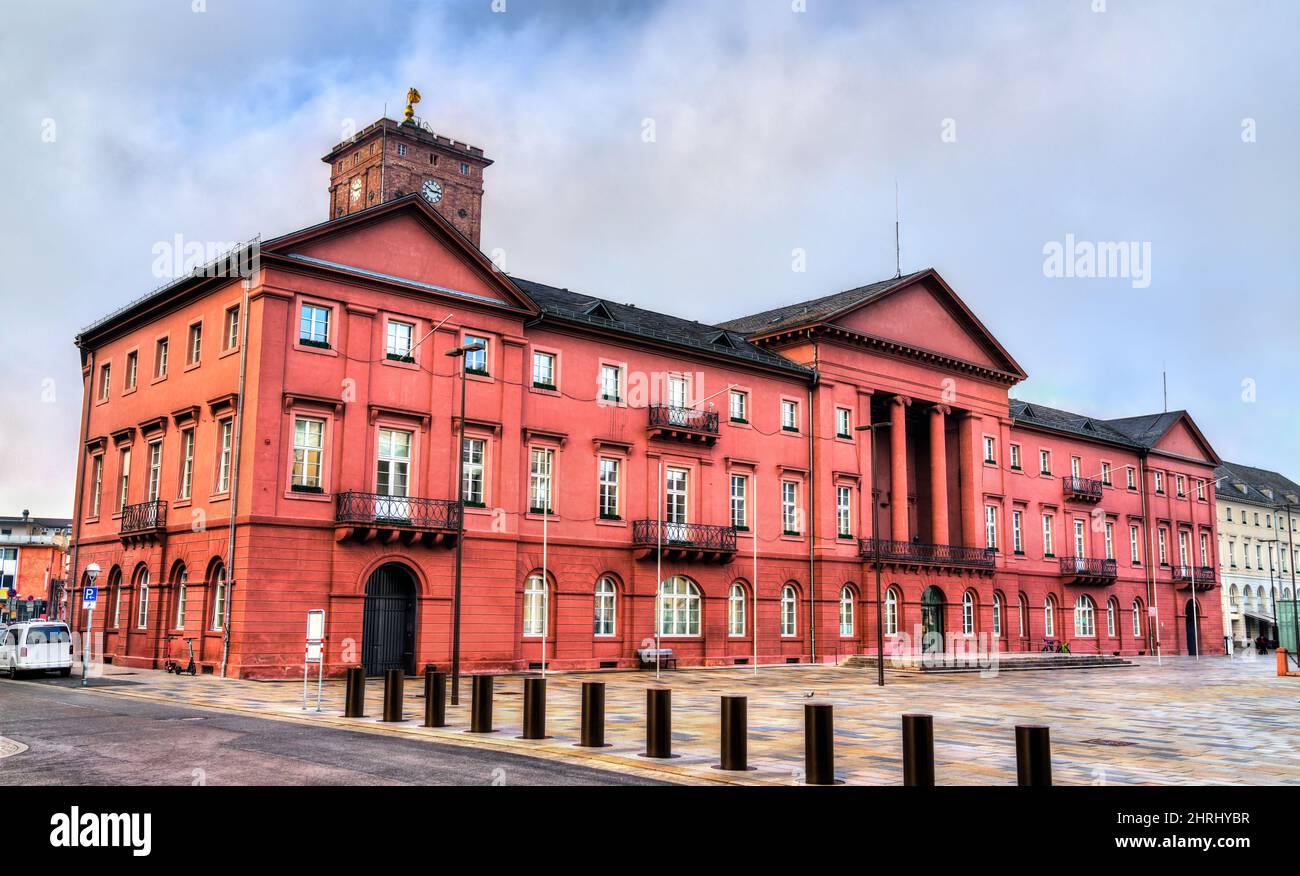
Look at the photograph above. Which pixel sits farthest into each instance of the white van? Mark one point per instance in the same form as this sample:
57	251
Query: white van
36	646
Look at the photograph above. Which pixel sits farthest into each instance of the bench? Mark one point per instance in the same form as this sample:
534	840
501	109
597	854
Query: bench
649	656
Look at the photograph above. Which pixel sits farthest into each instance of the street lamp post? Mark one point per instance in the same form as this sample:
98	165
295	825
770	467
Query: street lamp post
1290	544
92	575
459	352
875	536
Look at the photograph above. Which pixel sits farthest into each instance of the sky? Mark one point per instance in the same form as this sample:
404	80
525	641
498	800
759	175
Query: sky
678	155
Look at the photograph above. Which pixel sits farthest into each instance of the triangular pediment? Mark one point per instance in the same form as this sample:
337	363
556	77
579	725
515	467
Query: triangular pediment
927	315
1182	438
403	241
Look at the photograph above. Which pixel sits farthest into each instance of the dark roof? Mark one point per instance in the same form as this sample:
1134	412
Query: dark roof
1076	424
1146	429
1255	481
43	522
638	322
816	309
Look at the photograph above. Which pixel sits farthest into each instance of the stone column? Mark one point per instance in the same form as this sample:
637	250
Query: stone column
898	467
970	472
938	476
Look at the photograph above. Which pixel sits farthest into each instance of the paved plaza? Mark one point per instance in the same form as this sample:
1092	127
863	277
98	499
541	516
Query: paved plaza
1180	721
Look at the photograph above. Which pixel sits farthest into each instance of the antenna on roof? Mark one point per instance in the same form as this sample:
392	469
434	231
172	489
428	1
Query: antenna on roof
898	246
1164	380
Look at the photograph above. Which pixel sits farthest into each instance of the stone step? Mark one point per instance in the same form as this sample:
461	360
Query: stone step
1013	662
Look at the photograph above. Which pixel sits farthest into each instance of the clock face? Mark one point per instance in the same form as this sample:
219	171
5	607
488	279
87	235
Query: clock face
356	188
432	190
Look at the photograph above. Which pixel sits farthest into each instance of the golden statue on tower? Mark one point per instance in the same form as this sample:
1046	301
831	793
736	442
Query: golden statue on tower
412	98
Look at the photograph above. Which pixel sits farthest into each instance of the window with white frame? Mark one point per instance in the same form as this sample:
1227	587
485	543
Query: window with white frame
789	611
606	607
400	340
1049	617
196	343
308	449
392	475
187	462
790	507
1045	462
1017	532
219	598
997	614
1110	617
843	422
105	380
1134	541
740	501
967	614
1110	540
991	526
679	607
154	482
676	499
232	327
736	611
142	617
1105	473
535	607
314	325
540	469
679	391
132	359
1130	476
611	383
1160	481
1162	536
1049	549
1014	452
1205	549
1200	491
789	415
990	448
1085	616
225	433
608	488
476	360
96	483
846	612
473	460
182	582
891	612
160	359
1080	539
738	406
543	370
1076	465
844	511
123	478
1022	616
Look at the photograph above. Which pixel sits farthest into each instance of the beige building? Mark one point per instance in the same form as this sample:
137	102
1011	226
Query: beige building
1259	551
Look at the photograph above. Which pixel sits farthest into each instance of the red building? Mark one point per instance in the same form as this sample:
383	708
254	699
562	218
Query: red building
638	458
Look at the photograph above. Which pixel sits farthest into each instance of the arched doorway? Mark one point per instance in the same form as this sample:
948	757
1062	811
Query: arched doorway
388	623
932	603
1192	617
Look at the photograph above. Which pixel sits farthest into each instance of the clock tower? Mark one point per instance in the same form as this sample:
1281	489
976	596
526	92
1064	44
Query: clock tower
389	159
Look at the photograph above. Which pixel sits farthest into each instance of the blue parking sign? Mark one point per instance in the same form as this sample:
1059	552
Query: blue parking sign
89	597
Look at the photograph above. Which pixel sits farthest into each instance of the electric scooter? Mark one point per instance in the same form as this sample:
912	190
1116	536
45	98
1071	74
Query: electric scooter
170	665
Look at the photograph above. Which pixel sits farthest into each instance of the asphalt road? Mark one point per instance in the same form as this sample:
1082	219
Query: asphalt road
77	738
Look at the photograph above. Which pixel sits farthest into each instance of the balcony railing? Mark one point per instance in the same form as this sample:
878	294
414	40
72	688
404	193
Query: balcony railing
1088	570
144	518
688	423
926	554
1083	489
684	537
377	510
1202	577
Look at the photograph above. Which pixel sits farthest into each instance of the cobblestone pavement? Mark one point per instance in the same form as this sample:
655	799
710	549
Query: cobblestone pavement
1216	721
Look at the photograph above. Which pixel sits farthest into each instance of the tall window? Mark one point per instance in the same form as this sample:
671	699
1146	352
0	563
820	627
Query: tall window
195	345
160	358
1049	616
1185	552
1112	608
219	598
535	606
476	361
789	415
142	617
232	327
679	607
1079	539
1130	477
105	380
1017	532
1160	481
187	462
991	526
997	614
740	501
790	507
1022	616
308	447
115	582
392	472
472	455
678	391
606	605
225	430
1205	549
1180	486
543	370
789	611
611	383
1162	536
314	326
540	474
182	581
968	614
607	489
844	511
891	612
400	340
846	612
1085	616
843	423
1105	473
990	448
1045	462
1075	466
738	407
155	471
1110	540
1137	619
1015	457
1048	547
1133	543
123	478
96	483
132	359
736	611
675	495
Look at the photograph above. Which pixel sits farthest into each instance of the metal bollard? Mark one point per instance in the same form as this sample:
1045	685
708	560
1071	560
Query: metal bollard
918	751
818	744
534	708
354	699
435	699
1033	756
658	722
480	717
393	694
593	714
735	734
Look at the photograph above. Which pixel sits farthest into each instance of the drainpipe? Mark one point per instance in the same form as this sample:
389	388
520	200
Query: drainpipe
234	487
1153	636
812	514
70	585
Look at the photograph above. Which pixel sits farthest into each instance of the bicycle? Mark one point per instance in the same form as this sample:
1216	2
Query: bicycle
171	665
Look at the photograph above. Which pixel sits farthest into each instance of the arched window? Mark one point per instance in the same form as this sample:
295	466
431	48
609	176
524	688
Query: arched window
1049	619
1112	612
606	606
181	581
736	610
219	597
535	606
115	587
679	607
891	612
968	614
846	612
1022	615
1085	616
1137	618
142	616
789	611
997	615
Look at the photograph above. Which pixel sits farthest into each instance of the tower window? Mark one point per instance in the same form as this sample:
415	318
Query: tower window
464	169
401	149
433	159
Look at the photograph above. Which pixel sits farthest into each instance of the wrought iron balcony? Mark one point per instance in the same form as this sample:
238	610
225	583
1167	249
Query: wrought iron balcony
1081	489
916	553
1200	577
363	516
1088	570
686	424
684	540
146	520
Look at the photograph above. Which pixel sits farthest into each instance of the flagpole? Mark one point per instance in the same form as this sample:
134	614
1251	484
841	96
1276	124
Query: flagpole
659	565
755	588
546	581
